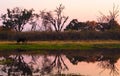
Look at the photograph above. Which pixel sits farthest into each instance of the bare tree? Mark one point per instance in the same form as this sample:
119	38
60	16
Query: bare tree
58	20
113	14
46	24
109	21
34	21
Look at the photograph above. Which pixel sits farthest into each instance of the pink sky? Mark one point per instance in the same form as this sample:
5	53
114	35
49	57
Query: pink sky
83	10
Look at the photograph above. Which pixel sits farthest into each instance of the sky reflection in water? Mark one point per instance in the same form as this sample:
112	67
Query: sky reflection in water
100	64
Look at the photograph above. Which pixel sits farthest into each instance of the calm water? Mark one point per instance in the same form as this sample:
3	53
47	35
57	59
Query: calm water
81	63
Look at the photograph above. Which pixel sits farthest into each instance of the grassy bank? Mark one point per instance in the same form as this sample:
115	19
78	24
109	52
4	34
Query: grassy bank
61	45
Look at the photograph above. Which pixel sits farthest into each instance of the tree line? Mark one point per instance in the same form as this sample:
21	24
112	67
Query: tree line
16	19
52	26
104	22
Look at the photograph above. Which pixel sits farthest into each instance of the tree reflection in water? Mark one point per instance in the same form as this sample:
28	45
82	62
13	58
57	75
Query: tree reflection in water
45	64
109	63
103	62
15	66
57	64
76	59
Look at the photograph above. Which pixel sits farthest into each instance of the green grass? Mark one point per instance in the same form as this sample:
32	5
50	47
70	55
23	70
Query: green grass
61	45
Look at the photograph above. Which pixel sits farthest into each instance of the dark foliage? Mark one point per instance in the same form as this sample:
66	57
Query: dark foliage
16	18
73	35
16	66
92	25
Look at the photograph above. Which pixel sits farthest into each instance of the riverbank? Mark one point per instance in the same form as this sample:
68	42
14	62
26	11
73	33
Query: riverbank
61	45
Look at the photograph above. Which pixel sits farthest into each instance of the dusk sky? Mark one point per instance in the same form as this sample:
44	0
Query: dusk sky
83	10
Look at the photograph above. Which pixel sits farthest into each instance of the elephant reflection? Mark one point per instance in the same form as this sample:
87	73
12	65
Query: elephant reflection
15	66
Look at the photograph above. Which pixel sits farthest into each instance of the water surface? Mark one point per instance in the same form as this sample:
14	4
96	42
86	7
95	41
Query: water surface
55	63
